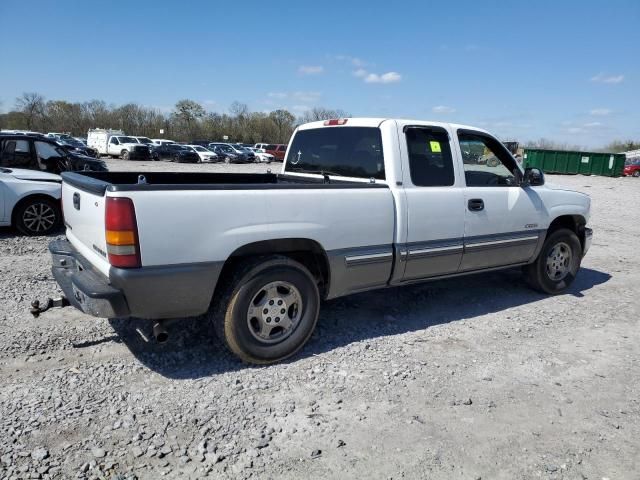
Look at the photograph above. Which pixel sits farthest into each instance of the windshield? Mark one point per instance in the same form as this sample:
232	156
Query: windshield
346	151
200	149
127	140
144	140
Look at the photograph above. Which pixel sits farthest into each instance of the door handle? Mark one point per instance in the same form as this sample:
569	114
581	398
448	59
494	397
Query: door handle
475	204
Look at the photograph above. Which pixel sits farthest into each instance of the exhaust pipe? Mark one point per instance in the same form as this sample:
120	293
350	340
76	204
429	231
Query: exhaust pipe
160	333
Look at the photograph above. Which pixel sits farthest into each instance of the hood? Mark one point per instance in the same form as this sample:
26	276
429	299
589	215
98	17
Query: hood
34	175
554	186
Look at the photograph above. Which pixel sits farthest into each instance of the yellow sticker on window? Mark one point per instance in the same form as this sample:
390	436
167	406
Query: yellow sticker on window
435	146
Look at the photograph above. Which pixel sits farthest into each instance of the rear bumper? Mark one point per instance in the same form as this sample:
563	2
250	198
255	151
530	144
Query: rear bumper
171	291
85	288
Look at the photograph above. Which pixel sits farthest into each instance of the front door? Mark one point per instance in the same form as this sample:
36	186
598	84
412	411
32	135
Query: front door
502	219
434	196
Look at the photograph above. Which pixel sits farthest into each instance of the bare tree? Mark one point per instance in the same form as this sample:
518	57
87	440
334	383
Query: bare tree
32	105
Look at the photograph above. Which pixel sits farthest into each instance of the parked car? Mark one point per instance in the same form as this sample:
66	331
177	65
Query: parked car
149	143
361	204
30	200
632	169
231	154
224	152
73	144
277	151
177	153
45	154
262	156
261	145
116	144
205	154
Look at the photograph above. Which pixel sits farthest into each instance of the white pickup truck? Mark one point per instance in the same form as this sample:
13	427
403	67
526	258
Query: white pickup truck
360	204
115	144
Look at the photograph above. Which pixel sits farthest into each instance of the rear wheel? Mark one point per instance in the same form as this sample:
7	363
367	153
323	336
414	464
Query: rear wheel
557	264
37	216
268	311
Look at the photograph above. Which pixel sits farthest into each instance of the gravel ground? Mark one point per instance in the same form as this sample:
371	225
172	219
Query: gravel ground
469	378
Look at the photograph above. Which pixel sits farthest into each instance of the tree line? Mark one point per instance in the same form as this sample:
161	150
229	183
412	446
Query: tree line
188	120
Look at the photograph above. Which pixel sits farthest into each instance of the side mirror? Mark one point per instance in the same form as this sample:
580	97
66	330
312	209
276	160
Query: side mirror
533	177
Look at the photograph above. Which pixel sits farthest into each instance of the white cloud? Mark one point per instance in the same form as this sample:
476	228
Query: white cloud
299	97
361	72
443	109
600	112
602	78
355	61
575	130
277	95
310	69
592	124
389	77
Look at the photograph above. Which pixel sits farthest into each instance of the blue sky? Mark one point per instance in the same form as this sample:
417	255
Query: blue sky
564	70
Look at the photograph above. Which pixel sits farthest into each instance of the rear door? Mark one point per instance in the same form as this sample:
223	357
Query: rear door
502	219
435	200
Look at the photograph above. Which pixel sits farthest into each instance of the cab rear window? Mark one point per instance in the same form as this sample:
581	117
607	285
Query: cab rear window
343	151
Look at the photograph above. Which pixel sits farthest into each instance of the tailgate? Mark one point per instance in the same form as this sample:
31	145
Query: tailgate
84	218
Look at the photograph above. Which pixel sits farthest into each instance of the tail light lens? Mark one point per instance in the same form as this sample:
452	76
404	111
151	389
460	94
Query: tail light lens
121	231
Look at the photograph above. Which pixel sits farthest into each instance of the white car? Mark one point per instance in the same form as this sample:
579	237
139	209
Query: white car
262	156
206	155
30	200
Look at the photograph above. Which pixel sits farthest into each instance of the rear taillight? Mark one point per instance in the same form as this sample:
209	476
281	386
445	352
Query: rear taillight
121	228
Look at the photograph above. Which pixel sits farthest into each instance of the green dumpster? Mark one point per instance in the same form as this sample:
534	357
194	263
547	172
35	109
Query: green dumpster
586	163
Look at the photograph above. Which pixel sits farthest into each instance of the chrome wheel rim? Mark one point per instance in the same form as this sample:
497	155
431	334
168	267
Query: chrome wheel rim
274	312
39	217
559	261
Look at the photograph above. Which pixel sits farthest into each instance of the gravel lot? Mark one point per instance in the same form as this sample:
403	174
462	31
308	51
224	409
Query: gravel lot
469	378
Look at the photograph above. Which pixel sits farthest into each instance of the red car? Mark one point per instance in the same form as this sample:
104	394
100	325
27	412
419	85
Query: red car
632	169
277	151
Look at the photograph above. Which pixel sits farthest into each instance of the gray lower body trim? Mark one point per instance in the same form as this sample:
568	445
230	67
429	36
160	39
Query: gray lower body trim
428	259
357	269
488	251
170	291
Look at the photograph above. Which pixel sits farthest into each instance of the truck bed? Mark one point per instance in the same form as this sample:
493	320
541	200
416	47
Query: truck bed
100	182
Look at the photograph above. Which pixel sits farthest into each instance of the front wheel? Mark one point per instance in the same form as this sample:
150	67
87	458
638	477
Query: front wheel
636	173
268	311
38	216
124	154
557	264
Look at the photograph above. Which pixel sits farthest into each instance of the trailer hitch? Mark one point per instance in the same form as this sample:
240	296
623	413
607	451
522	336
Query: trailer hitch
36	309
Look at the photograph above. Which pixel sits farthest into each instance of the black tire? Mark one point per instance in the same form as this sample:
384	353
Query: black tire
239	332
540	276
124	154
227	160
37	216
636	173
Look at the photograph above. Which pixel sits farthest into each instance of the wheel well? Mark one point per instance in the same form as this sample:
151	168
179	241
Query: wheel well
29	198
303	250
575	223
